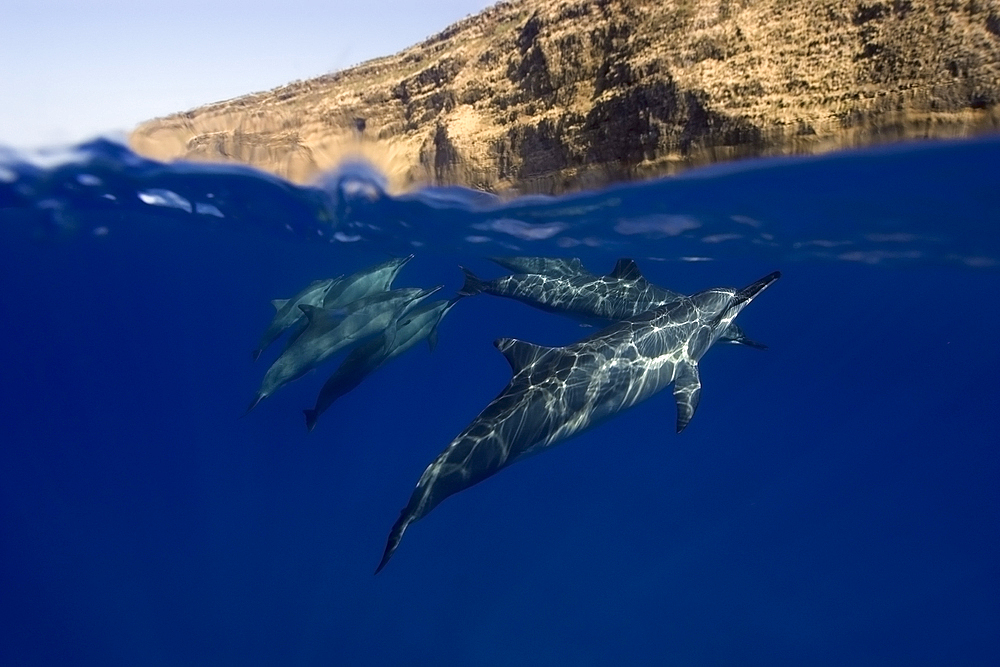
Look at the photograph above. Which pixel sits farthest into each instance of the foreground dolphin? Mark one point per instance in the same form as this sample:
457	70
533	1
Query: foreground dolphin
288	312
619	295
557	392
328	332
421	322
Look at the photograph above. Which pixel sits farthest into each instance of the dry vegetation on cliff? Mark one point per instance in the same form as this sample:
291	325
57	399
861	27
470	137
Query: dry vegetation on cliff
549	95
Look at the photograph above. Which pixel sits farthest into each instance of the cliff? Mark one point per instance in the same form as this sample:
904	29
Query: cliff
550	95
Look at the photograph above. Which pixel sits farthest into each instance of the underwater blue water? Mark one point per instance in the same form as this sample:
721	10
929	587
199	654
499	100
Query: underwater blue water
836	500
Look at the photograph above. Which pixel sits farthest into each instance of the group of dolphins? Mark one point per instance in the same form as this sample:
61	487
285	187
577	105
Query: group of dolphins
653	337
330	315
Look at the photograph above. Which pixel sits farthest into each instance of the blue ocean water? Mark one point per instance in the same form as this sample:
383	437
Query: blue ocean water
836	500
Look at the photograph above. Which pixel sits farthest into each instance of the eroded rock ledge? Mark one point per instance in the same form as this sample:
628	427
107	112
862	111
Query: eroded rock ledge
551	95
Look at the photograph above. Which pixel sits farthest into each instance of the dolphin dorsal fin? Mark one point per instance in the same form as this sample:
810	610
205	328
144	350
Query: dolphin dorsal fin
279	303
316	314
626	269
519	353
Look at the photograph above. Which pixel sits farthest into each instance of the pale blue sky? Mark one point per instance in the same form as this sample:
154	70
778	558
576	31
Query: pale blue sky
72	70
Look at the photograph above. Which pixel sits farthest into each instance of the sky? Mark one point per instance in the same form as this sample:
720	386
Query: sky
73	71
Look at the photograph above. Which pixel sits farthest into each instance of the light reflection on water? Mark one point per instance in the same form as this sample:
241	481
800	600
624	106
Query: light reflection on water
913	203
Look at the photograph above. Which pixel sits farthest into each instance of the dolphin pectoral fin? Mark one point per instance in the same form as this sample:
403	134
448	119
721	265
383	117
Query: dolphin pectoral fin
279	303
256	354
395	535
735	335
389	335
432	337
749	343
687	392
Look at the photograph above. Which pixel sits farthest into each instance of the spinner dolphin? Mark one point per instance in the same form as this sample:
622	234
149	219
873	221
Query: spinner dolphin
287	311
343	291
328	332
420	323
557	392
619	295
368	281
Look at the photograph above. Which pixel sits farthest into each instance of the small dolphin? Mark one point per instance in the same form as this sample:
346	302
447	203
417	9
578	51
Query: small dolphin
568	267
364	283
619	295
328	332
557	392
344	291
421	322
288	312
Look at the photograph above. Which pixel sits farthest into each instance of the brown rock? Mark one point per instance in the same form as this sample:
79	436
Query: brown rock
550	95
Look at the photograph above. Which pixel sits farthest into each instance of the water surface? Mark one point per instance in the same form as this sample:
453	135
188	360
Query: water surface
834	501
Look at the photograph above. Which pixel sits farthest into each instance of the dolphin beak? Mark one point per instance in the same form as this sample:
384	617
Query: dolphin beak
748	293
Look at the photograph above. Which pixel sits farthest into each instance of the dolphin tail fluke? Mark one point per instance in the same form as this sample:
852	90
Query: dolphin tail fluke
473	285
253	404
311	417
395	535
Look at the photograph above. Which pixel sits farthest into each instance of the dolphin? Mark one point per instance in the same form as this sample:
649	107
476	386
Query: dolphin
420	323
557	392
358	285
288	313
346	290
329	331
547	266
621	294
374	279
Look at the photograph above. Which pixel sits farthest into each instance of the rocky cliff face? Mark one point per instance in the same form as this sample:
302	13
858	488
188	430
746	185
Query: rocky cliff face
549	95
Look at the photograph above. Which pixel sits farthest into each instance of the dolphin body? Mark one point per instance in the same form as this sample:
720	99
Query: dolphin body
326	333
346	290
364	283
557	392
569	267
420	323
617	296
288	312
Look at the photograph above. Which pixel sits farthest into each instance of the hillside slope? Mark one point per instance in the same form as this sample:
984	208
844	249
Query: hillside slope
550	95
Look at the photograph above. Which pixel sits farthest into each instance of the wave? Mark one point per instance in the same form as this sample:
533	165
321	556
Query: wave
914	203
